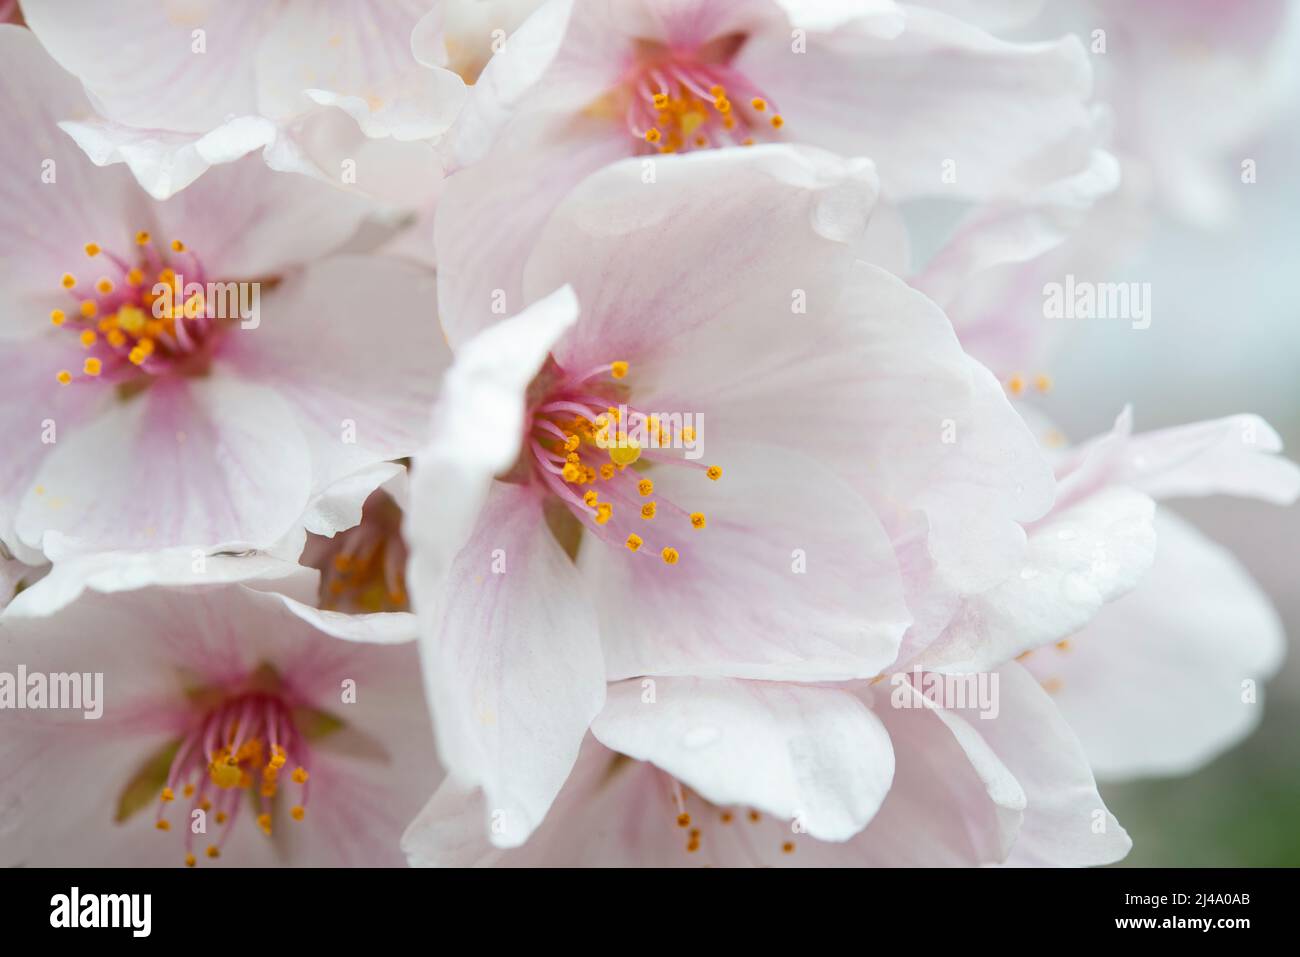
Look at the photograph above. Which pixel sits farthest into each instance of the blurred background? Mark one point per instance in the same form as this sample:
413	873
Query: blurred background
1224	338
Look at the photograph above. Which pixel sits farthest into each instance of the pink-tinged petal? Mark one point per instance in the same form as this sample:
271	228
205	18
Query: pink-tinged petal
360	388
165	162
792	577
511	659
328	146
931	429
560	60
954	803
38	415
109	572
491	213
1078	560
172	67
198	462
512	666
463	36
1168	677
1236	455
773	221
1066	823
449	832
356	56
940	92
379	628
992	15
339	506
280	221
1038	800
817	756
883	17
1230	456
52	198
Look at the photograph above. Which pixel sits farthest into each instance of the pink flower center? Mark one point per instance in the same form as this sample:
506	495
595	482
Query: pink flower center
596	453
363	569
684	101
237	753
126	326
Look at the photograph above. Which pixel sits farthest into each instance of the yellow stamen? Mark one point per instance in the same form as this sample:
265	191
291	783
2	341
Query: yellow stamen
618	369
645	487
299	776
92	249
603	512
713	472
168	794
68	280
264	822
163	825
134	277
142	238
190	860
777	122
89	308
1015	385
758	103
132	319
92	366
57	317
652	135
697	519
624	453
105	286
1043	383
297	812
591	498
64	376
633	542
213	851
648	510
669	556
178	246
88	338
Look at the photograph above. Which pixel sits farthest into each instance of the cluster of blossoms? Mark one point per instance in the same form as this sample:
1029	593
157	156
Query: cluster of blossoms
518	432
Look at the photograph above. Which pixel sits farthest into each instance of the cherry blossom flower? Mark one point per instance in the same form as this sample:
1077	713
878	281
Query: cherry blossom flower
191	85
230	731
550	552
142	417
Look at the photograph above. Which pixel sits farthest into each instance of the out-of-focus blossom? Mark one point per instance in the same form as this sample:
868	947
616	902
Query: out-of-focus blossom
224	729
182	85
